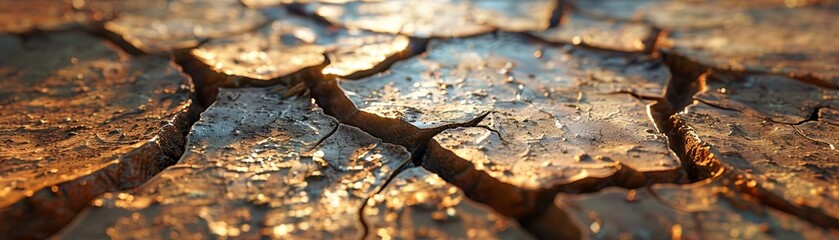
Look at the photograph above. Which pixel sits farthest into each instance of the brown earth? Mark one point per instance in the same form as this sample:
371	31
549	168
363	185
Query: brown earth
449	119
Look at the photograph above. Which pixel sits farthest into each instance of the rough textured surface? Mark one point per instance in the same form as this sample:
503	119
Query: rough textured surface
781	49
419	204
183	24
459	79
737	99
256	165
705	210
288	49
721	33
789	163
291	43
552	118
440	18
579	29
541	148
544	145
775	98
87	119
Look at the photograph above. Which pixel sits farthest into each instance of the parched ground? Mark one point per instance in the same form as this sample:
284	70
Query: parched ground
419	119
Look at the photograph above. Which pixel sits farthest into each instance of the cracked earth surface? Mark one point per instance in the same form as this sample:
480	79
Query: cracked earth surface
419	119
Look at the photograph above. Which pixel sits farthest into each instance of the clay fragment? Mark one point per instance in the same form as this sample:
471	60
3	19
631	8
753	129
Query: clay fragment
791	167
183	24
721	34
579	29
549	119
775	98
256	166
290	43
460	78
80	118
418	204
782	48
703	210
287	48
440	18
542	148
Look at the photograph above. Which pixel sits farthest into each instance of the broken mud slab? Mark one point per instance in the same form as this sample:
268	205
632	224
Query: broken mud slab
290	45
457	80
183	24
580	29
419	204
257	166
711	209
791	167
84	119
775	98
535	107
721	34
439	18
782	48
326	92
523	152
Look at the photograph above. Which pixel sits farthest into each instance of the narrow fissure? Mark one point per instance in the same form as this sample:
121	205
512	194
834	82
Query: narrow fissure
698	158
688	79
70	197
331	98
812	116
531	208
366	229
800	133
527	206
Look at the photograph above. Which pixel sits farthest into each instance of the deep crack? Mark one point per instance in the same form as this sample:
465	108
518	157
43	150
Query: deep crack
688	79
699	158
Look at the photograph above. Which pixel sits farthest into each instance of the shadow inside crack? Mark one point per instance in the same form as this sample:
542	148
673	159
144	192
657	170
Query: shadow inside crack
329	96
719	123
